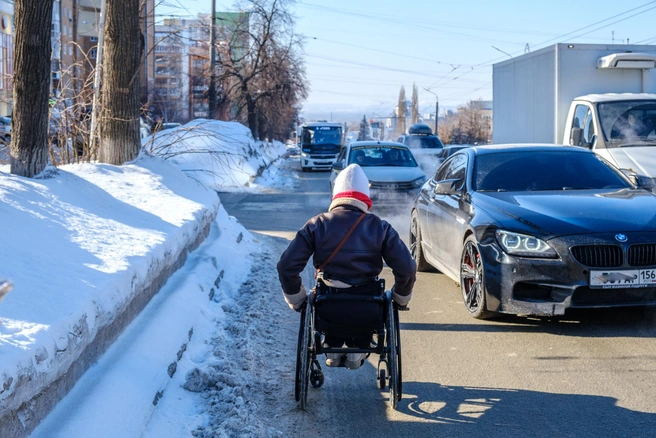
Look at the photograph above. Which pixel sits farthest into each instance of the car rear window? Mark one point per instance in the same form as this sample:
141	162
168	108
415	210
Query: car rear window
424	142
544	170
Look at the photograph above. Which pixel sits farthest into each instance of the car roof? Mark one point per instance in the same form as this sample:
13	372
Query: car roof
365	143
500	148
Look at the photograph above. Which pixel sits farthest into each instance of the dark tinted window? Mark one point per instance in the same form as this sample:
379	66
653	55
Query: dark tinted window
423	142
367	156
452	169
544	170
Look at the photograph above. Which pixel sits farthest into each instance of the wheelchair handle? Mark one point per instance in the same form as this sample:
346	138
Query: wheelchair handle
401	308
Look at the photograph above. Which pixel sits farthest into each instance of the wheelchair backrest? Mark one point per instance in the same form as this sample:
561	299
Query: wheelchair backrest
354	309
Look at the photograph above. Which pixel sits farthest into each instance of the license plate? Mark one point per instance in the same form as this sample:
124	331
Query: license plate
622	279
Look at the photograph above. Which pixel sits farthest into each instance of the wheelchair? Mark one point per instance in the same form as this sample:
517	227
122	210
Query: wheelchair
378	318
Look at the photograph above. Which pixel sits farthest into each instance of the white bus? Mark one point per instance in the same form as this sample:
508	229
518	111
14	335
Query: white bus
320	144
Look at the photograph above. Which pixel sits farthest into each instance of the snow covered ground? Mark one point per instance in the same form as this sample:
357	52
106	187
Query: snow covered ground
80	244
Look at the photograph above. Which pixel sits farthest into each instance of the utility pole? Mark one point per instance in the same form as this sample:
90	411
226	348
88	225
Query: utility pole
437	111
211	90
437	107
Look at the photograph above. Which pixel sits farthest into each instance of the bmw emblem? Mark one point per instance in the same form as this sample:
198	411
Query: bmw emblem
621	237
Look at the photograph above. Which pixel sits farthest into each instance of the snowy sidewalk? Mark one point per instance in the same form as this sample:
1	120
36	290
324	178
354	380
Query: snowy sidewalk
87	246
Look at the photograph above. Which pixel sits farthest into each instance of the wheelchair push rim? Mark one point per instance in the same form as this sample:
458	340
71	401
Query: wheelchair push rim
394	356
303	360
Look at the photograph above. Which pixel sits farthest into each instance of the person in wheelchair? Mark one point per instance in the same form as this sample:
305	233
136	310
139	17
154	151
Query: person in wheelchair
355	266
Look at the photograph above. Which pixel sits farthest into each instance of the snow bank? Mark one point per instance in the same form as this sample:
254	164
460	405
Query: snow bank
88	245
217	154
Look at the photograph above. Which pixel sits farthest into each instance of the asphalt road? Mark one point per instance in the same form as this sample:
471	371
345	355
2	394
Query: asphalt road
586	374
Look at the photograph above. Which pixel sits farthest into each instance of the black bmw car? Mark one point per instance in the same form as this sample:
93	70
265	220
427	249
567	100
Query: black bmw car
528	229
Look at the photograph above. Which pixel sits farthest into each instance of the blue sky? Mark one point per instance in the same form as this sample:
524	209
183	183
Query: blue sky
359	53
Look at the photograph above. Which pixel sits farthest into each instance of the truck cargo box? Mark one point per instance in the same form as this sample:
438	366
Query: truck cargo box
532	93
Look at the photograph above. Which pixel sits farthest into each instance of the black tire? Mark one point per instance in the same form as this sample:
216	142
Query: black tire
399	365
415	244
392	357
472	284
303	360
316	378
382	378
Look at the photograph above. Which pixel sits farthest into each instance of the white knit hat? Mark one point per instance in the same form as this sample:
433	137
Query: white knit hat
351	188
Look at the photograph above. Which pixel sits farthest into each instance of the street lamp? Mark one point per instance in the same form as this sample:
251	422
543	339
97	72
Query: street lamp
437	107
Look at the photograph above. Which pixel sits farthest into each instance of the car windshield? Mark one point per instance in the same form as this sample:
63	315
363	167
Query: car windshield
424	142
369	156
544	170
628	123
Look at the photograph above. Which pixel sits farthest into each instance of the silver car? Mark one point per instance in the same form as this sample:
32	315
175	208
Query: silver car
394	176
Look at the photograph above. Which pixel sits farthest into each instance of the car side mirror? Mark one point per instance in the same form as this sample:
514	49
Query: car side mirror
640	181
575	137
448	186
338	165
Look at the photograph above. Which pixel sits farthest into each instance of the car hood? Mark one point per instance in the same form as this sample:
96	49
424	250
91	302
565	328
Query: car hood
552	214
642	160
392	173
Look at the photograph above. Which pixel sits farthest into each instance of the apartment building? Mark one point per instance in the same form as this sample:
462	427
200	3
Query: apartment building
6	55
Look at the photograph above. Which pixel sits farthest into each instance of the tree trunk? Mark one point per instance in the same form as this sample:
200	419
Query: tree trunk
119	115
29	125
252	116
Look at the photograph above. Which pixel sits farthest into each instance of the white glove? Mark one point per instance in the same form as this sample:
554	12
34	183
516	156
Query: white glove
296	300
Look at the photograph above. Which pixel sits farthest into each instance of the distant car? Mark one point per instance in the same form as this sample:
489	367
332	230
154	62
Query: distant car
144	129
425	146
5	130
394	175
447	151
293	149
529	229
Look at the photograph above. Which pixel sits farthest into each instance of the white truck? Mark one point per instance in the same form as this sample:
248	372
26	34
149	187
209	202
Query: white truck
591	95
320	143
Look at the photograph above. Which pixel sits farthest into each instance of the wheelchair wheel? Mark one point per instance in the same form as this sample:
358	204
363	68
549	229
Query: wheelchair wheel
398	354
393	363
303	359
316	377
382	378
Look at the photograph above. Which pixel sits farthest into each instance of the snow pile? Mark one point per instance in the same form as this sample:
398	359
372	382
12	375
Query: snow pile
217	154
84	242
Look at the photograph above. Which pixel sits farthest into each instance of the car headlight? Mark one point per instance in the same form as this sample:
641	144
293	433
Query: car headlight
419	181
304	155
524	245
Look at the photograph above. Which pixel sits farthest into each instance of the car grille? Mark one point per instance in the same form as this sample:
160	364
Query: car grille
322	157
584	296
598	256
401	186
642	255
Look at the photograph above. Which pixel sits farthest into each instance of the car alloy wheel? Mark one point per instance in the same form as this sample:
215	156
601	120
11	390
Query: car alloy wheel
471	280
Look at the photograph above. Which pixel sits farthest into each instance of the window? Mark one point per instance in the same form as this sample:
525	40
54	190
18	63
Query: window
93	39
93	53
453	169
589	130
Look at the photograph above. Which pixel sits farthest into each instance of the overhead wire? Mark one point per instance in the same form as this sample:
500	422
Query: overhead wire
488	63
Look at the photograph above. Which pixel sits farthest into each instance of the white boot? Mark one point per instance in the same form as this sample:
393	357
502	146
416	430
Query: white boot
333	359
355	360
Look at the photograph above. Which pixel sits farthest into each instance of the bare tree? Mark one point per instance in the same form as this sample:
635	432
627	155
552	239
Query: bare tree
258	64
415	104
29	125
120	93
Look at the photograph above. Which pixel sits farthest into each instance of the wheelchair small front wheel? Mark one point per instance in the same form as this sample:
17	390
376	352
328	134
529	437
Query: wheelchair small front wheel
316	378
382	378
